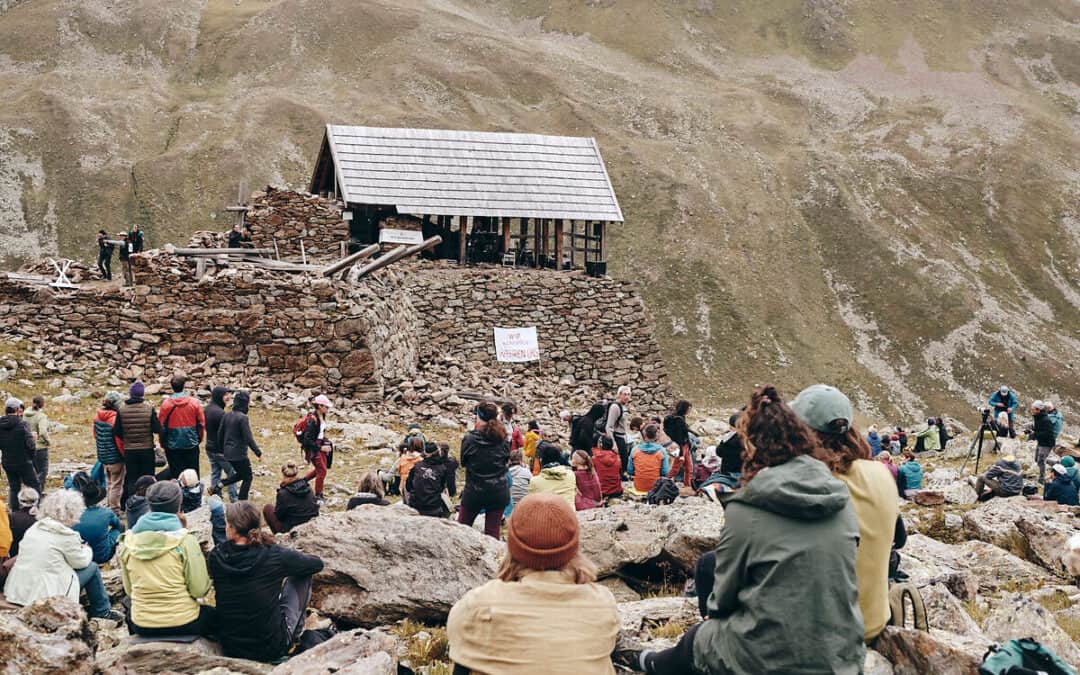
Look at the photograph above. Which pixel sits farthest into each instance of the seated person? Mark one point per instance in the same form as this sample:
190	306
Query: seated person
1062	489
929	439
23	518
372	491
608	467
296	503
137	506
192	489
432	482
588	484
520	475
554	477
262	589
909	475
1004	479
648	461
164	571
53	560
99	527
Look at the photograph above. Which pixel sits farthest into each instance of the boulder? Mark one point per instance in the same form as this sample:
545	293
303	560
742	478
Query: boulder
914	652
928	560
369	435
637	533
945	612
1038	530
928	498
383	564
620	589
876	664
640	615
1018	616
959	492
174	657
356	652
49	635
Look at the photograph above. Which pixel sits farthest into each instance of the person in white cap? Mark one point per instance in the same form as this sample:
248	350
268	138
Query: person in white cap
318	450
1004	401
17	451
1061	489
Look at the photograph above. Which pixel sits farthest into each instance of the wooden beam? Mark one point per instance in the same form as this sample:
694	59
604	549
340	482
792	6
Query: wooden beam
350	260
558	244
397	254
603	241
464	227
505	234
573	244
536	242
195	252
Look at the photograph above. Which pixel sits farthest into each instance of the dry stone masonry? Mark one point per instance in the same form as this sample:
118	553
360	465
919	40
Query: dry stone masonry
287	217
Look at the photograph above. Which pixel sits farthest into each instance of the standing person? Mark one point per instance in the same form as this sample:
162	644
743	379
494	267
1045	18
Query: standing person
1004	401
104	258
1055	417
1042	431
234	439
125	259
53	560
678	431
649	461
262	589
23	518
873	490
17	451
544	582
608	467
318	449
431	481
615	423
164	571
555	477
238	237
295	503
782	593
136	425
484	456
39	425
588	494
183	425
110	450
1004	479
213	413
517	439
532	437
135	239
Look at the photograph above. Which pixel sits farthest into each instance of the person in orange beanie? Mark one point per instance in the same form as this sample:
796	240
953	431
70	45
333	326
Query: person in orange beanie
544	581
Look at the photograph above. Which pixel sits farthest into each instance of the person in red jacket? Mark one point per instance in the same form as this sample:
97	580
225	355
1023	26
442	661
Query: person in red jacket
513	431
183	426
588	483
608	466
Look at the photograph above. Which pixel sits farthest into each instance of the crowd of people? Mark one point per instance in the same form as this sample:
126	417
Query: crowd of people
803	489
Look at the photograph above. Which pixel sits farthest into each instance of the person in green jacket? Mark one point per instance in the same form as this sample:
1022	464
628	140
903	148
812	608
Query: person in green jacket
784	596
39	425
929	438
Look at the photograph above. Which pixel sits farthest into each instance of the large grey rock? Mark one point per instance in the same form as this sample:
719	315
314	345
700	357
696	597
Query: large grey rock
174	657
914	652
945	612
928	560
1037	530
1018	616
384	564
637	617
635	533
356	652
959	492
876	664
620	589
48	636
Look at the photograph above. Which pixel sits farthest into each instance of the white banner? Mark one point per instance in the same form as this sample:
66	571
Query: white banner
517	345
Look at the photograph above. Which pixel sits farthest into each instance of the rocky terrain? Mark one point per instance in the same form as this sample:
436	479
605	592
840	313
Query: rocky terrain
883	195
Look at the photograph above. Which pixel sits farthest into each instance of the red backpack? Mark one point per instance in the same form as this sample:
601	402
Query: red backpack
301	427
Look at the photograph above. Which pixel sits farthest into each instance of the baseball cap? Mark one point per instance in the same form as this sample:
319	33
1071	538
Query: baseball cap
1059	469
321	399
820	404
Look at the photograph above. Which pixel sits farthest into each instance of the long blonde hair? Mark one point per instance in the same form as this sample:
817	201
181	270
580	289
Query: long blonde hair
581	568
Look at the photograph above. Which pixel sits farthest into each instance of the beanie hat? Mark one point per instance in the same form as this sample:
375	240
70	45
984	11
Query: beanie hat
543	532
1068	462
137	390
188	478
820	404
164	497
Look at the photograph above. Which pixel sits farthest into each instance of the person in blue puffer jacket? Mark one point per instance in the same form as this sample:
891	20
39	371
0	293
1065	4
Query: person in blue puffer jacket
110	449
874	440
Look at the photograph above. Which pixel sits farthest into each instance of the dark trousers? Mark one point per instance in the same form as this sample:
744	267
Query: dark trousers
243	476
137	463
41	467
493	514
295	597
624	451
181	459
679	660
205	625
704	578
18	476
104	265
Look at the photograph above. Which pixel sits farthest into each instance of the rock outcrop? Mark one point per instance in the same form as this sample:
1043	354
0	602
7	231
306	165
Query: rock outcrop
356	652
200	656
48	636
1037	530
914	652
927	560
384	564
1018	616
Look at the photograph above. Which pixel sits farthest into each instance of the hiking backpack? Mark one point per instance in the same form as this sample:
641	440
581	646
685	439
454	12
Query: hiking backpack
300	427
1017	657
664	491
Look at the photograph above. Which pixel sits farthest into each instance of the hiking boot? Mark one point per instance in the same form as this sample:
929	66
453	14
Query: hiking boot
112	615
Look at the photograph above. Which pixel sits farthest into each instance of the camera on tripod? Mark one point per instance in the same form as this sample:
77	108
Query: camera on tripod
988	423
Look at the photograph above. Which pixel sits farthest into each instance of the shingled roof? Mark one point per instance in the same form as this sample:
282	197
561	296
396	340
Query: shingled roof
470	173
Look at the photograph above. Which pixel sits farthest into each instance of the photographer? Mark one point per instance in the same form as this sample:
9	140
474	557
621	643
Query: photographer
1042	431
1004	400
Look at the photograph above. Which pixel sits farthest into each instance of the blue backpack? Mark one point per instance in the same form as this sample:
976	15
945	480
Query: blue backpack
1023	657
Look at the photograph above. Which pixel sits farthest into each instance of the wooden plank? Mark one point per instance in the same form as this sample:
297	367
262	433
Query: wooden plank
491	190
351	260
537	226
195	252
558	244
397	254
463	226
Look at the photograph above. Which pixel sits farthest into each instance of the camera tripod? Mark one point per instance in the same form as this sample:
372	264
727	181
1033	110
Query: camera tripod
977	444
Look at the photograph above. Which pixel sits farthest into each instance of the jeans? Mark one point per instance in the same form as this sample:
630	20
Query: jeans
219	465
114	486
318	472
41	467
217	520
1041	453
19	476
90	581
243	476
137	463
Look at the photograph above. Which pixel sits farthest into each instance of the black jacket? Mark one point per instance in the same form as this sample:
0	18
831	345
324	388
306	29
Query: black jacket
136	240
426	482
247	581
361	498
214	412
295	504
583	433
730	453
16	441
1044	431
485	465
234	436
676	429
20	522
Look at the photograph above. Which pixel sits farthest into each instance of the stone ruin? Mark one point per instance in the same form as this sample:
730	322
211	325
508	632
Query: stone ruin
413	335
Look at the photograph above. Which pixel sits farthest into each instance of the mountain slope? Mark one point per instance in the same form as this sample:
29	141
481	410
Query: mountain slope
883	195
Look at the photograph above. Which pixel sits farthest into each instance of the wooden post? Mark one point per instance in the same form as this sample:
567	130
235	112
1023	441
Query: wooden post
547	237
603	241
536	242
397	254
464	227
558	244
350	260
303	255
506	234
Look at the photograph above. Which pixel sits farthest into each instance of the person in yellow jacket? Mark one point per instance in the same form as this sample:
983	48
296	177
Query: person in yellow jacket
5	532
532	437
873	494
555	477
164	571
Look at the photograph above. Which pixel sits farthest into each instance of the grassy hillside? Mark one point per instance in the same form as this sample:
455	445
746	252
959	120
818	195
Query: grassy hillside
884	195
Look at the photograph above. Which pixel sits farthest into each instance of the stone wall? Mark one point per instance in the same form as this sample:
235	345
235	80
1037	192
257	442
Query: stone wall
288	217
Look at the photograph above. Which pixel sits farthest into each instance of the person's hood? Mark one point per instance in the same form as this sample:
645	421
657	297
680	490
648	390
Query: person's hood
298	487
54	526
30	414
158	522
1011	466
800	488
436	458
105	415
241	401
648	447
239	561
559	472
9	422
218	395
150	545
136	502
